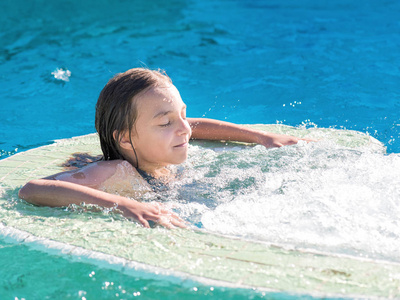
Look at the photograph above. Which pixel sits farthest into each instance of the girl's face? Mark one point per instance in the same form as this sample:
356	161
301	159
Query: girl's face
161	132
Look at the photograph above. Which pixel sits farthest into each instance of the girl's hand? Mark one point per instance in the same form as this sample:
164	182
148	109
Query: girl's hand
269	140
153	211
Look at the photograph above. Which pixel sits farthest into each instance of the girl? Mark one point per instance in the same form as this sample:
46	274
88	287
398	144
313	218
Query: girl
142	126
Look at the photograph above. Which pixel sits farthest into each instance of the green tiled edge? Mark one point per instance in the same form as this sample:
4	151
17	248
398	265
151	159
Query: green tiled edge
195	253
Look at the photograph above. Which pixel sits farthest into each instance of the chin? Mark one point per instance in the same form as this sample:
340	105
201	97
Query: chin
178	161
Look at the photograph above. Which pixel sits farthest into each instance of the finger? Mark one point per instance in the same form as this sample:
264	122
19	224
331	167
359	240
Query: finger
168	212
165	211
174	219
177	223
310	140
178	218
156	207
143	222
165	222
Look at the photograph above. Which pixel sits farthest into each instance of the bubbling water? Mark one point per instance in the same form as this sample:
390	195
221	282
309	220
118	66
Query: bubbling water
319	196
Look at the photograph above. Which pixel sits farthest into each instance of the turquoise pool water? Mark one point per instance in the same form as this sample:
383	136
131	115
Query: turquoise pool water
300	63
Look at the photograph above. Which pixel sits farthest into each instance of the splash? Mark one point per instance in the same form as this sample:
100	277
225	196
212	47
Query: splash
61	74
319	196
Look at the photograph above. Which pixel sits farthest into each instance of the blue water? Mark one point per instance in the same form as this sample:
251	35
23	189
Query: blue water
300	63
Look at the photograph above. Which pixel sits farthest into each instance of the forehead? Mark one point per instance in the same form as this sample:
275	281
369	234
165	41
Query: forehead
159	97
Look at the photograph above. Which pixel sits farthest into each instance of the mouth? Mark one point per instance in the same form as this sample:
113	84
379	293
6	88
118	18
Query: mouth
183	145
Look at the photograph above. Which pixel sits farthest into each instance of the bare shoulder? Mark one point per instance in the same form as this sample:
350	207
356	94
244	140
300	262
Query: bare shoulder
92	175
114	176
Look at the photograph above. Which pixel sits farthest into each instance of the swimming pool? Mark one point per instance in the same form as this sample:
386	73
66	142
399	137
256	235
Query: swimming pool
324	64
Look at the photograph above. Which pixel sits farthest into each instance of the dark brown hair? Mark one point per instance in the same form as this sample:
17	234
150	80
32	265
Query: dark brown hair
116	108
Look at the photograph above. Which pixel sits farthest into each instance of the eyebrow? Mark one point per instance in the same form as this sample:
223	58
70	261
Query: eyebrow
165	112
162	113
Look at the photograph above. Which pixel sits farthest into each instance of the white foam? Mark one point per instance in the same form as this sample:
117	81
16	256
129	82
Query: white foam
318	196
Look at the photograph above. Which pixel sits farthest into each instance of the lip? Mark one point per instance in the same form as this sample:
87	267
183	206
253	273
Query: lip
185	144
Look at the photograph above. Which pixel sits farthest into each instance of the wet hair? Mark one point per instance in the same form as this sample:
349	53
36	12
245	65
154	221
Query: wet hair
116	108
79	160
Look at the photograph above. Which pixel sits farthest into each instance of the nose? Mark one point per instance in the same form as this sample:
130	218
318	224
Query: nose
184	127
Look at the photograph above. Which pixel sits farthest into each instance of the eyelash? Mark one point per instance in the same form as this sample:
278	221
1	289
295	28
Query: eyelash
169	122
166	125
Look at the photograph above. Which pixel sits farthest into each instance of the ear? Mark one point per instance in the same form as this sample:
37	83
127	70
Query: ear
124	141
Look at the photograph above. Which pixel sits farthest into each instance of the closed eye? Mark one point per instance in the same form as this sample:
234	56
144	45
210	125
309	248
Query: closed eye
166	124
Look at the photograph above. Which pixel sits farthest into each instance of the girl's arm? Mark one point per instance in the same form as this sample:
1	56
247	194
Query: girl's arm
58	193
209	129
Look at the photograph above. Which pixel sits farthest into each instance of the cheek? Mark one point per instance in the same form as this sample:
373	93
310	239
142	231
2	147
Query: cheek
152	142
161	138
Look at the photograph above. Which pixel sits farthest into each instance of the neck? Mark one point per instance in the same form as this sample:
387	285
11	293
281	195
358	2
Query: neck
155	171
